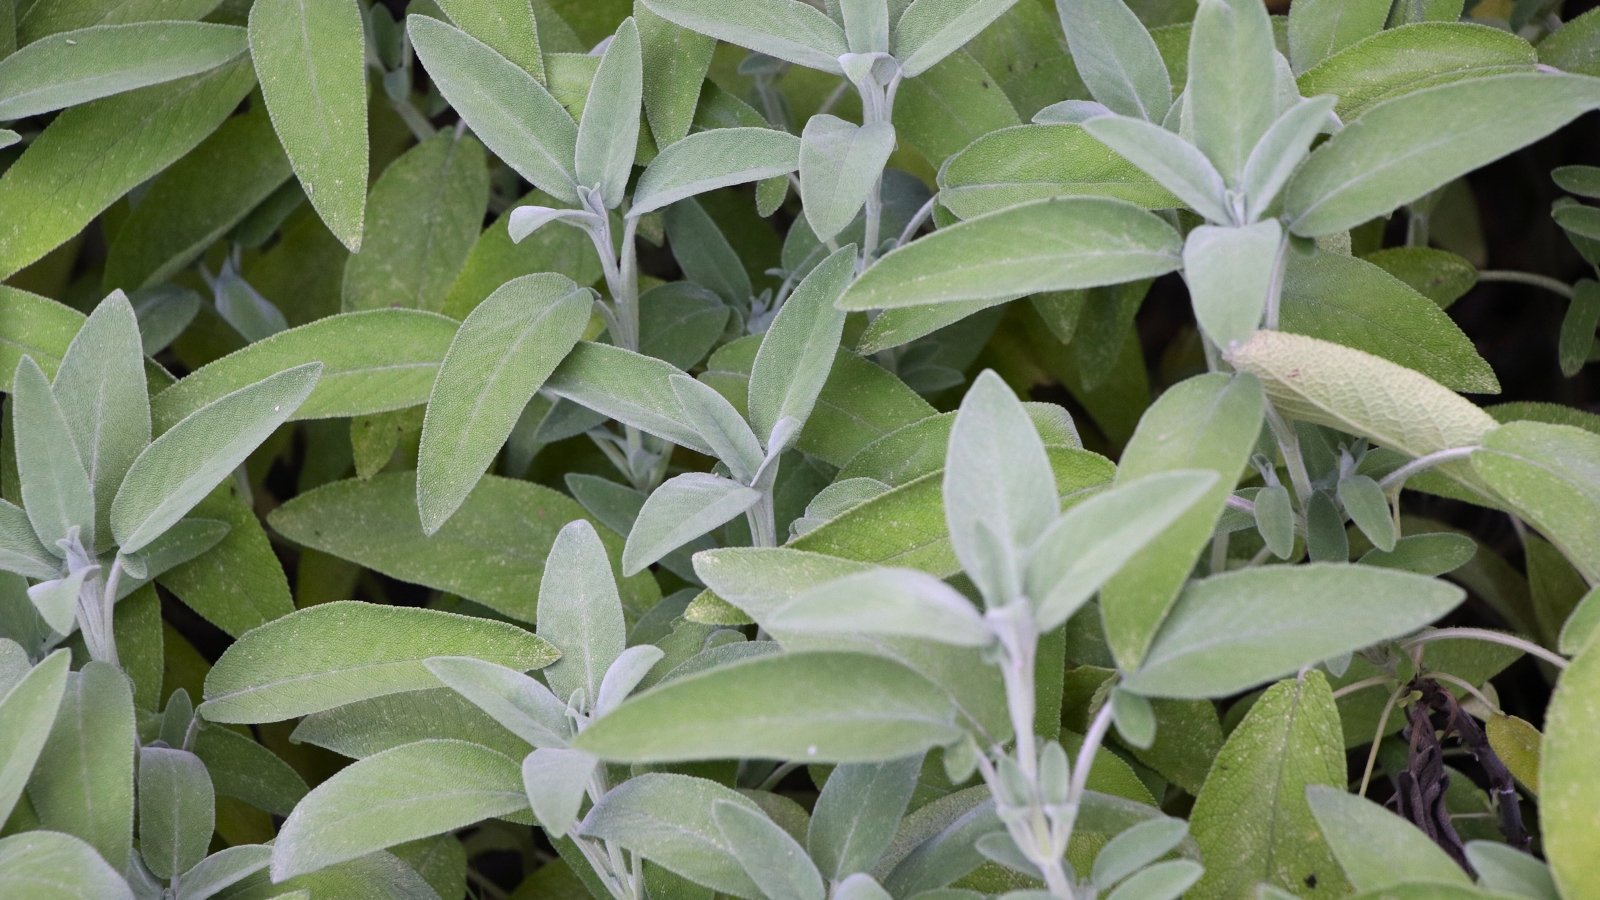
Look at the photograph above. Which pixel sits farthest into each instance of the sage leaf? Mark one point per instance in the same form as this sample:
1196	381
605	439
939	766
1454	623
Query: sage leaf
245	770
555	781
56	492
20	549
677	59
609	131
1046	245
857	813
83	784
1162	881
378	650
793	363
1280	152
1275	520
581	613
625	674
309	56
1568	786
721	426
1231	60
503	352
840	167
222	870
857	708
410	792
1545	473
177	811
1136	848
930	30
681	510
57	600
667	818
1173	162
787	29
1289	616
1387	64
27	710
505	106
774	861
1366	839
896	602
719	158
178	469
509	27
1397	151
1117	58
60	861
1320	28
522	705
1015	165
630	387
1369	509
866	25
73	67
1230	272
1289	740
1508	870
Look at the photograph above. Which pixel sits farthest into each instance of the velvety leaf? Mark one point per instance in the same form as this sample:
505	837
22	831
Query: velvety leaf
179	468
1288	618
492	550
1280	152
335	653
1042	246
503	352
719	158
223	869
630	387
1014	165
34	326
555	780
20	549
684	508
52	864
796	355
667	819
245	770
1230	64
886	601
721	426
774	861
1377	848
1251	818
1136	848
410	792
83	784
73	67
27	711
857	813
1320	28
840	166
1173	162
787	29
677	59
1387	64
581	614
1567	779
56	492
522	705
177	810
609	132
1116	58
930	30
1509	870
1230	272
509	27
310	56
1547	474
856	708
235	584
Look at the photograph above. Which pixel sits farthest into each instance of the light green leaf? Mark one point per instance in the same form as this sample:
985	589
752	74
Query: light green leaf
681	510
794	361
1280	152
1094	539
508	27
56	492
1162	881
1376	848
91	155
410	792
492	550
1547	473
56	600
1578	327
1425	554
721	426
1509	870
1173	162
1208	422
245	770
1275	520
893	602
179	468
1047	245
930	30
866	25
20	549
667	819
507	108
223	869
1518	744
1231	63
374	361
1116	57
787	29
336	653
1399	408
74	67
1569	787
1230	272
238	583
1402	60
630	387
1401	149
101	389
609	132
522	705
1582	624
555	781
624	675
1439	275
503	352
310	56
1352	302
31	325
177	810
83	783
677	60
1230	632
1320	28
1251	818
27	710
858	812
861	886
1136	848
998	488
719	158
358	730
774	861
1015	165
48	864
856	708
582	613
840	167
1369	509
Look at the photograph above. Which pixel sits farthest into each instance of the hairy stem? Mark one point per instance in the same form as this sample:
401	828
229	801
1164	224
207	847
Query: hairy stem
1397	479
1493	637
1528	278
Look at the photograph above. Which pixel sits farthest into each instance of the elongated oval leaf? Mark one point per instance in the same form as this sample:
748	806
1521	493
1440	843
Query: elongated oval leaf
1406	147
177	810
509	27
609	132
83	784
1230	632
774	861
27	712
179	468
1173	162
1047	245
49	863
310	56
930	30
56	491
787	29
410	792
74	67
1116	57
1231	67
507	108
667	818
1320	28
373	361
714	159
1367	840
581	614
1031	162
1568	785
1230	271
1401	60
855	708
840	165
901	602
336	653
498	359
1548	474
630	387
796	355
681	510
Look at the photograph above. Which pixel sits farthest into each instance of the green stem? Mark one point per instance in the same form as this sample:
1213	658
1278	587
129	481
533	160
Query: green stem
1552	285
1492	637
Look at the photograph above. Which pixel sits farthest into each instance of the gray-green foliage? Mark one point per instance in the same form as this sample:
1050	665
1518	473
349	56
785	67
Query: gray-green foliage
678	533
